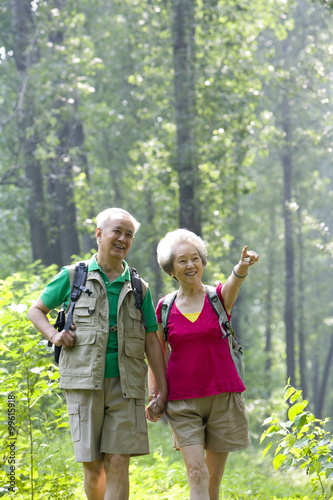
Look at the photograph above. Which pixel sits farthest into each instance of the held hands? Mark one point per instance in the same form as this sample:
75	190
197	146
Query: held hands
155	409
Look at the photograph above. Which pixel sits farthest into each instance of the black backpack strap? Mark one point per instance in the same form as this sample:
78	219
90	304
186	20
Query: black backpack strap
165	311
136	283
78	286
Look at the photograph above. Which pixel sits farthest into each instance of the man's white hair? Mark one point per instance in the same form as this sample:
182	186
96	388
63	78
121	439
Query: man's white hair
111	213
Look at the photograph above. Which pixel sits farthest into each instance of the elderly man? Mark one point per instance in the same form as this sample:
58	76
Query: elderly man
102	361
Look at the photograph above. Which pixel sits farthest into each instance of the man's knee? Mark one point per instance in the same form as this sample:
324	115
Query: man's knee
116	464
197	474
93	472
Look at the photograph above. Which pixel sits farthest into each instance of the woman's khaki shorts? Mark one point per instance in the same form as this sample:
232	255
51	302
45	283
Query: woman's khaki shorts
219	422
103	421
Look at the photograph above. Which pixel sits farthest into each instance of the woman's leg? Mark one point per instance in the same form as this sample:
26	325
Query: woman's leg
197	471
216	464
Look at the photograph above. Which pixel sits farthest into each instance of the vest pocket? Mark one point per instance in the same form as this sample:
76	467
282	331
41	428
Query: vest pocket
135	348
134	325
85	312
74	420
136	366
77	360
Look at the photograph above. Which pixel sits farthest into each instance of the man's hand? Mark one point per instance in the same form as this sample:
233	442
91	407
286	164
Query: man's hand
155	409
64	338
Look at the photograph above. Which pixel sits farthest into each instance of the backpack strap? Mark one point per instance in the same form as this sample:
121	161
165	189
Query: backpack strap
77	276
136	283
165	311
224	323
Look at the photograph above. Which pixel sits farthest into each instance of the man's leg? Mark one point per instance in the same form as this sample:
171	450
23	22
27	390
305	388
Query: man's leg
117	480
216	464
94	480
197	471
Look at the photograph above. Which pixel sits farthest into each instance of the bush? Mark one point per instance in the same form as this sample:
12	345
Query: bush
31	413
304	443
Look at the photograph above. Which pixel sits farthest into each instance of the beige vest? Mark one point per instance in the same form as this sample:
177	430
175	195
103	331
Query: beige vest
82	366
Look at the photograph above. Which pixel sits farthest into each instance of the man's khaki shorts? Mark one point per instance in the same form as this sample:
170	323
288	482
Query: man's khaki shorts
219	422
103	421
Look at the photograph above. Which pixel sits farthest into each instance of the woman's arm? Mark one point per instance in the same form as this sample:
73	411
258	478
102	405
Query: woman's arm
232	286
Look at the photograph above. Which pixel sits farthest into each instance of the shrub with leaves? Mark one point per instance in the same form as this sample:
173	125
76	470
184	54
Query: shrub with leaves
32	410
302	441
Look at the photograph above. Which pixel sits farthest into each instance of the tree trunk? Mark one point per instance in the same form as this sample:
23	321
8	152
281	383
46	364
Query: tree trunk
25	53
63	209
235	252
154	264
301	302
320	399
65	204
269	299
184	83
88	236
289	248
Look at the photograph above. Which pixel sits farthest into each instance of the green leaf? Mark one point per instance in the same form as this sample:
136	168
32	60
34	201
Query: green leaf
271	420
289	464
266	449
302	443
300	420
278	460
289	391
296	410
296	396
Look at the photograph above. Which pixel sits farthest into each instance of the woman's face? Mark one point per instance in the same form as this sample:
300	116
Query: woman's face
187	265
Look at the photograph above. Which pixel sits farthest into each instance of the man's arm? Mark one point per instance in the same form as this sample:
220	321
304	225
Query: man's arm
38	316
156	376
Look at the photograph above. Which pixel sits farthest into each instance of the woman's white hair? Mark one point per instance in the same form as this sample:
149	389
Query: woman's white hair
112	213
167	246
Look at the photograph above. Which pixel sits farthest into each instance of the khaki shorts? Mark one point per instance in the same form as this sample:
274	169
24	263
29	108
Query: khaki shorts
103	421
218	422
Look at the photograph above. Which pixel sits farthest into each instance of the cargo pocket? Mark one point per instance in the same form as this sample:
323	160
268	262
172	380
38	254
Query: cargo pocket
85	312
74	420
136	366
77	360
140	416
135	326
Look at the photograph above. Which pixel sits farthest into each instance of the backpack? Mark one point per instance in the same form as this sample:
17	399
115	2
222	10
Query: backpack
235	348
77	277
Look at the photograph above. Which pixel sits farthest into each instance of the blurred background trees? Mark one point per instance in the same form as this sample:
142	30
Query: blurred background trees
215	116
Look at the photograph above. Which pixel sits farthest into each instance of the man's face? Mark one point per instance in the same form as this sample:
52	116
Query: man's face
115	238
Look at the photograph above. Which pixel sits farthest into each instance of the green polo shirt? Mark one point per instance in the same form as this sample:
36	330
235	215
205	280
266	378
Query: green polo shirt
58	291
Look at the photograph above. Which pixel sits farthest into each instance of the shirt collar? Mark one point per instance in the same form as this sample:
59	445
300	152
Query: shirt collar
125	276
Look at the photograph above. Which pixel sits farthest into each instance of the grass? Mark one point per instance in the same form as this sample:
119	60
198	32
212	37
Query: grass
162	475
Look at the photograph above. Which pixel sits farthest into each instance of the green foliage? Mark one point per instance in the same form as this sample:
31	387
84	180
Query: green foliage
109	67
304	442
31	415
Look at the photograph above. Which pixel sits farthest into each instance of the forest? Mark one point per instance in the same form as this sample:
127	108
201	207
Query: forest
215	116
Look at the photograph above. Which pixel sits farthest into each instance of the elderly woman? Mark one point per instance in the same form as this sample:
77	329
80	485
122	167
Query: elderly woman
205	408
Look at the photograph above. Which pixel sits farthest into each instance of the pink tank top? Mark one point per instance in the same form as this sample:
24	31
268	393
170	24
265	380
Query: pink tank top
200	363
